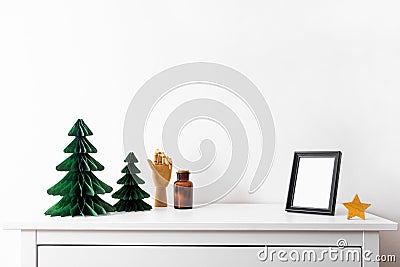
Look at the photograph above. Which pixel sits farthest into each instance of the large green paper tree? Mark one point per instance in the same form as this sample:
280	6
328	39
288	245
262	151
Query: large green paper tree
80	187
130	195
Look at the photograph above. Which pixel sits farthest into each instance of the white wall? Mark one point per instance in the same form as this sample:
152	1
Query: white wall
328	69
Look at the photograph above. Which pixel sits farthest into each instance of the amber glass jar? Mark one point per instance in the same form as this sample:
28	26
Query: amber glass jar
183	191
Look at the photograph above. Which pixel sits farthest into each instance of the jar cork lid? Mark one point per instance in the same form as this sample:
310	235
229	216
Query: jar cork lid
183	171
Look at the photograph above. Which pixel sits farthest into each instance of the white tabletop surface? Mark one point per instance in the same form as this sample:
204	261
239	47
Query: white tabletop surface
256	217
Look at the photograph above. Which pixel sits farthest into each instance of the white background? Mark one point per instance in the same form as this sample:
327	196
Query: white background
328	69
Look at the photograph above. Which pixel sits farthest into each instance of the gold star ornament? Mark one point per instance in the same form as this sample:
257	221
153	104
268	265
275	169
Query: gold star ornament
356	208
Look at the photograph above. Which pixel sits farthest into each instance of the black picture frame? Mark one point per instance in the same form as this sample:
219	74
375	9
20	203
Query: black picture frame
337	155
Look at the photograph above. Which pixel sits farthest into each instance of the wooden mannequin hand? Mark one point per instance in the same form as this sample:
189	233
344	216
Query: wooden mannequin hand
161	174
162	169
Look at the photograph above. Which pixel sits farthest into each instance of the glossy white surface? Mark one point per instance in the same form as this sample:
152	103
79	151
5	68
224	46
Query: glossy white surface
230	234
263	217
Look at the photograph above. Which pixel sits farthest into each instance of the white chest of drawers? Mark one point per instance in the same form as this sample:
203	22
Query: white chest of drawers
216	235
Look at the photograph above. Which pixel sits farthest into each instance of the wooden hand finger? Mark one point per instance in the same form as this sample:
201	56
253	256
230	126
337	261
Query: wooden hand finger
151	164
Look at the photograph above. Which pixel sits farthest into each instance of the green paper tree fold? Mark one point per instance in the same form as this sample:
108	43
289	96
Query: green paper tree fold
80	187
130	195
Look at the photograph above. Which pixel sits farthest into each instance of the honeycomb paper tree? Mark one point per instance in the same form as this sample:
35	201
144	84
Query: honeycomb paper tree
130	195
80	187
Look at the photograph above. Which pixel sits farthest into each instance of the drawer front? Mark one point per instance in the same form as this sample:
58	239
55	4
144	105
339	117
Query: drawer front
179	256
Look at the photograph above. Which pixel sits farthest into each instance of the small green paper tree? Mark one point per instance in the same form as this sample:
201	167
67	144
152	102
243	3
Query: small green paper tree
80	187
130	195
